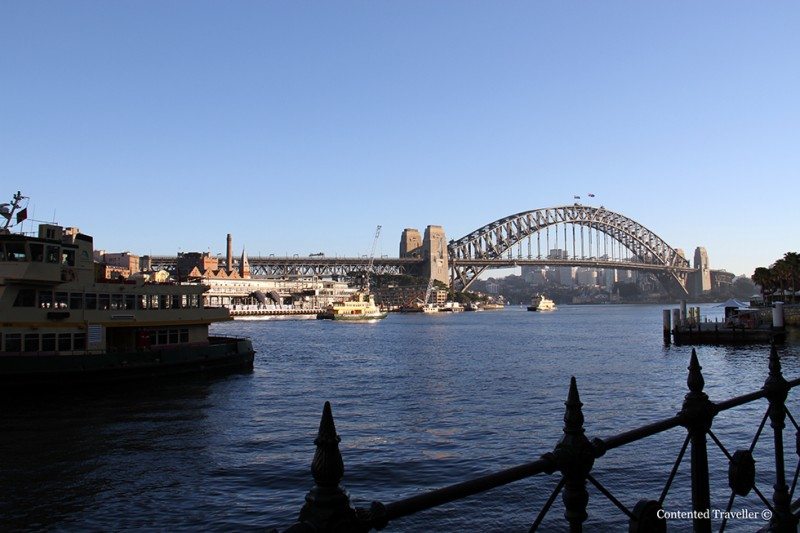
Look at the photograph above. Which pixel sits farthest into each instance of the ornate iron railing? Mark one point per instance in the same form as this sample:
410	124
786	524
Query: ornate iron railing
328	507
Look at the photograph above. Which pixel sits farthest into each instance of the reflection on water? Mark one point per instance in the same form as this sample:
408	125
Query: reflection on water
420	402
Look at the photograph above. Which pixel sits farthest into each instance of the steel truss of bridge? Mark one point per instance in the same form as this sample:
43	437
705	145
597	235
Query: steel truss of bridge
321	267
491	245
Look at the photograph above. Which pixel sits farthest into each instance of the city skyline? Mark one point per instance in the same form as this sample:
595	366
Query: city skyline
300	127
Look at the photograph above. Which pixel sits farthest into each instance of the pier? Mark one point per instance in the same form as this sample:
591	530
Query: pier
741	326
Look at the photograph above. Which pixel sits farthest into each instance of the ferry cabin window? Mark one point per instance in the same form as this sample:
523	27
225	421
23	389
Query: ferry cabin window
2	252
25	298
75	300
162	336
153	299
91	301
130	301
116	301
37	251
164	301
68	257
142	302
79	342
184	335
64	342
15	251
184	301
45	299
53	255
13	342
173	336
61	300
103	302
176	301
48	342
31	342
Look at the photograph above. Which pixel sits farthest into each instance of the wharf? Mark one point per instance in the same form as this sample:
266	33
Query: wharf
740	326
716	333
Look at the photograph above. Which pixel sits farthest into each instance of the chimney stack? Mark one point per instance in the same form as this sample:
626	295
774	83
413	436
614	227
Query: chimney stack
229	258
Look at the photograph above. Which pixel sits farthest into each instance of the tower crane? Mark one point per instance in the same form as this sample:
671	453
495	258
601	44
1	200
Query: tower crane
372	258
428	292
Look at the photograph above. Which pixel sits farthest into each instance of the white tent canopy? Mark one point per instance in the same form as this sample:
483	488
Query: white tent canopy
733	302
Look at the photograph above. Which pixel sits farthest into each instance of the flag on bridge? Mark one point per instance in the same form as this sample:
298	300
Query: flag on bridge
22	215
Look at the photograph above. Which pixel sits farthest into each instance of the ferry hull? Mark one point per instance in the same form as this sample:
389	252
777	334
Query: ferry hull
352	318
221	355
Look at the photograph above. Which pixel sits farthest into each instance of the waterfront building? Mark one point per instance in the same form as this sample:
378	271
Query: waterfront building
721	280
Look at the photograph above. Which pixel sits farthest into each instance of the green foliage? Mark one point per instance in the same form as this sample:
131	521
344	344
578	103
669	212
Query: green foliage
783	275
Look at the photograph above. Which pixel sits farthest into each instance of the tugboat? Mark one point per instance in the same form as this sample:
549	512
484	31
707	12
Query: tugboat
60	324
540	302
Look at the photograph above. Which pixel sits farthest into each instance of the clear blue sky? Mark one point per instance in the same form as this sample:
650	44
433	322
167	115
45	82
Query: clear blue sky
300	126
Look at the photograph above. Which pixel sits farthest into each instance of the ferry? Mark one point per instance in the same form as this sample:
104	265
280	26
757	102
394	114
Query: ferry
540	302
359	307
60	324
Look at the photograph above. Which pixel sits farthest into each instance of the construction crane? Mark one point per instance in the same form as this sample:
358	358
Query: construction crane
371	258
428	292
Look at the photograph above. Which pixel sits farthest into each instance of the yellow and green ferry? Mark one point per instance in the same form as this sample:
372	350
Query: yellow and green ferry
360	307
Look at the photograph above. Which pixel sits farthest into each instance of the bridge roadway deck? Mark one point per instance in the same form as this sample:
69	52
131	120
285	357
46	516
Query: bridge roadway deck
297	265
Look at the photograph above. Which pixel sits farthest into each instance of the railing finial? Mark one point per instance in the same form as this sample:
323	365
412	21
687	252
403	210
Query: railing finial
695	380
327	506
327	466
574	456
573	415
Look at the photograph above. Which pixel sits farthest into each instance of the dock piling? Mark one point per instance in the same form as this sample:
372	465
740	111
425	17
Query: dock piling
777	316
667	326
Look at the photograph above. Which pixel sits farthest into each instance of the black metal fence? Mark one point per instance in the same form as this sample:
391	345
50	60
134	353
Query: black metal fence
328	508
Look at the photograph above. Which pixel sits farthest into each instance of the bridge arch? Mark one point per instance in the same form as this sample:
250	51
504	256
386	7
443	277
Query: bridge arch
472	254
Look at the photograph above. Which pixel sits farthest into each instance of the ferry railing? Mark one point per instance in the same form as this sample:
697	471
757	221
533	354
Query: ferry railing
328	508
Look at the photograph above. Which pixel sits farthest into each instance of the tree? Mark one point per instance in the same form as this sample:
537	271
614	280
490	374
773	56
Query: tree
782	273
792	261
763	278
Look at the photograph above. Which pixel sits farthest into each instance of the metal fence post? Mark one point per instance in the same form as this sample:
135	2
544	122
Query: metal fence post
777	390
575	456
327	506
698	413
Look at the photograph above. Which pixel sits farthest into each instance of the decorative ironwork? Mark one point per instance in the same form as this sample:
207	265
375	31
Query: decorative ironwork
328	507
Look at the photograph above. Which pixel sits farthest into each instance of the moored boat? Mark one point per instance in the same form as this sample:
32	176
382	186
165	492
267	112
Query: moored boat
60	324
540	302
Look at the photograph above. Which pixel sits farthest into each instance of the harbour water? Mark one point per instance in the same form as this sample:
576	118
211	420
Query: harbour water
420	401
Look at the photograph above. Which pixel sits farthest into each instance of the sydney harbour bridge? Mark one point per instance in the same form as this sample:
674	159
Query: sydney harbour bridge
569	236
